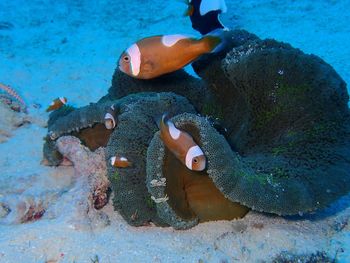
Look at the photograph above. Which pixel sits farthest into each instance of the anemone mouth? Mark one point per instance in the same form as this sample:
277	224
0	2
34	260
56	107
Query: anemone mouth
193	195
86	123
94	137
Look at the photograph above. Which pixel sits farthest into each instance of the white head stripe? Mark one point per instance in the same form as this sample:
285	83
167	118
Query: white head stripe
193	152
123	159
110	116
170	40
63	100
174	132
135	59
113	160
211	5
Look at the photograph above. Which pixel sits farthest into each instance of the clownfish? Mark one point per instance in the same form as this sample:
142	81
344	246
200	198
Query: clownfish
204	14
57	103
182	145
154	56
110	118
120	162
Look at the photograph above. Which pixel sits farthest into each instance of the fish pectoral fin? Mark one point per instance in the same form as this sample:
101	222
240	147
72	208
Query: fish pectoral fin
147	70
148	67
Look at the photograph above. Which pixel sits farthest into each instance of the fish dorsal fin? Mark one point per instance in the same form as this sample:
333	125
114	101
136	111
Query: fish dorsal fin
63	100
212	5
171	40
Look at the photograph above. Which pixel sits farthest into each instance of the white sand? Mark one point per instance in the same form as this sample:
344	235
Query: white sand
70	48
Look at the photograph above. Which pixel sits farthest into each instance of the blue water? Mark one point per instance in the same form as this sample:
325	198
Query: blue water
50	48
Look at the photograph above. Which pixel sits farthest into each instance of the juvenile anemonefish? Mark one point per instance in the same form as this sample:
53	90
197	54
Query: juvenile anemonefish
120	162
57	103
204	14
182	145
110	118
154	56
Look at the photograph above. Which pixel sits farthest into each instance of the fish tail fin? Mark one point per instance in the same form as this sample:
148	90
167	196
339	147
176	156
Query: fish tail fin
215	40
213	5
189	11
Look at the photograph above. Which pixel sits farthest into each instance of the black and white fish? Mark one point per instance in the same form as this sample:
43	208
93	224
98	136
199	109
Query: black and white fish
204	14
110	118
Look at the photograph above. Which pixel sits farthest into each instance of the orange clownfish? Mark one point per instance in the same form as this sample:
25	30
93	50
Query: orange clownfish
110	118
57	103
182	145
154	56
120	162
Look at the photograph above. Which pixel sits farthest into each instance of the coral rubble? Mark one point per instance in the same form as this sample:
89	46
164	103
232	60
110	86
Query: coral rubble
88	164
9	120
89	193
29	198
12	117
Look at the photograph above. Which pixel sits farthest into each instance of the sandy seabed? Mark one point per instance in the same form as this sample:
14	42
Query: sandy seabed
54	48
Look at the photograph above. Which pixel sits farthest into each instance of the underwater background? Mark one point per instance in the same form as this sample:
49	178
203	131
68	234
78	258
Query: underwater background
70	48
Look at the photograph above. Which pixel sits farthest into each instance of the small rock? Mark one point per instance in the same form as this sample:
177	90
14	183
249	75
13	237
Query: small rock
6	25
4	210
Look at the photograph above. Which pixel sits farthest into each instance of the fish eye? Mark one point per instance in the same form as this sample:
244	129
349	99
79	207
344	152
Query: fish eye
126	58
195	160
